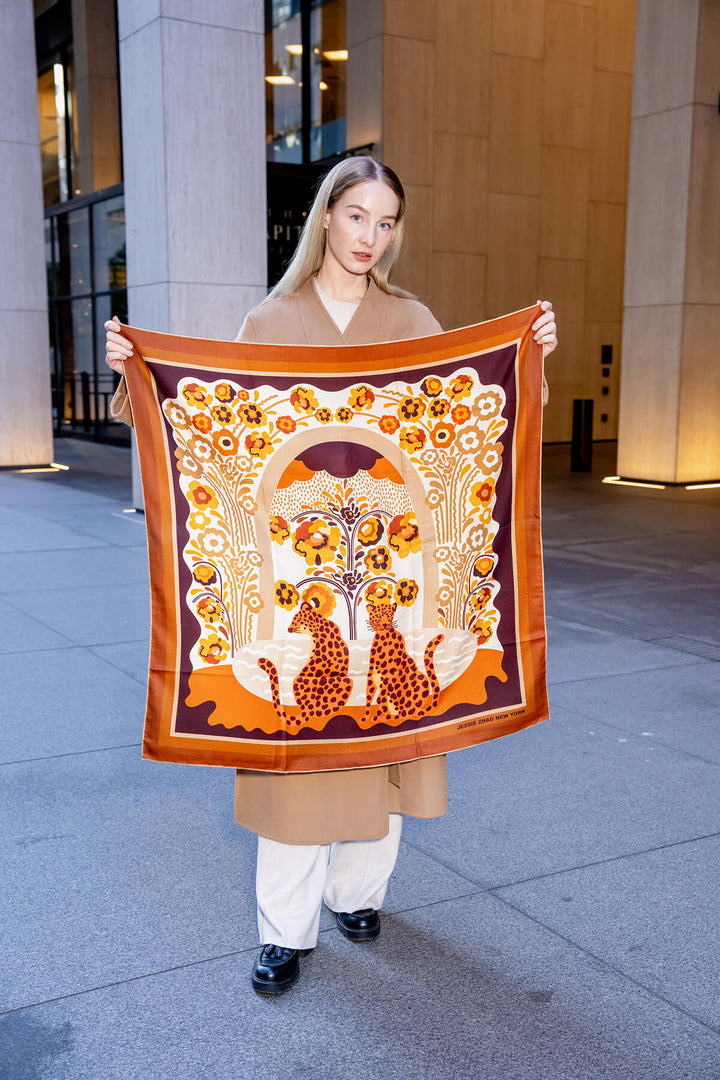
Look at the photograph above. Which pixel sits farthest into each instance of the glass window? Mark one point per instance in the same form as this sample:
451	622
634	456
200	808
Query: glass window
73	232
109	244
58	130
328	78
305	123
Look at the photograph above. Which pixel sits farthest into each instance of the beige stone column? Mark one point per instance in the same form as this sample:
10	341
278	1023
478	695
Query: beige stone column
193	122
25	416
96	94
669	427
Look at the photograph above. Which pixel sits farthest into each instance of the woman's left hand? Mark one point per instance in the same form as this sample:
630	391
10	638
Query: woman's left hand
545	328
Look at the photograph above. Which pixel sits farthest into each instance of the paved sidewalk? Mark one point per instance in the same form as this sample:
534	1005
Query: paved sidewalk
560	923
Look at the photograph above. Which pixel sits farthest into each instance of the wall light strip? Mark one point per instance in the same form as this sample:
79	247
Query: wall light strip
631	483
40	468
699	487
57	465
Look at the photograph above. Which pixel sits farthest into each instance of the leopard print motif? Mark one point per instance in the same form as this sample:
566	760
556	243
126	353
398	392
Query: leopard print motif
323	686
403	692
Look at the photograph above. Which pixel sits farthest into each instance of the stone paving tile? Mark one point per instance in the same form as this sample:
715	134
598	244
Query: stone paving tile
91	615
128	656
116	867
657	609
20	633
565	793
577	652
66	701
463	988
677	706
652	916
41	536
98	565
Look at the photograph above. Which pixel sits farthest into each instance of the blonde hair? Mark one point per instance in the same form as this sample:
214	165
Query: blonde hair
310	251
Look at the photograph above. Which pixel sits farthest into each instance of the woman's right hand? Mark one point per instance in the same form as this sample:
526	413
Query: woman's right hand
117	346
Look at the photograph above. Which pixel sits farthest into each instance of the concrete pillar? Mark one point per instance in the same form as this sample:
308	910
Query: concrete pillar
25	416
96	94
193	122
670	386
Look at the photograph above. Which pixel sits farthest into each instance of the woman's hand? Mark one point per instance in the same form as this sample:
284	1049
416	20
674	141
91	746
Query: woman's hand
117	346
545	328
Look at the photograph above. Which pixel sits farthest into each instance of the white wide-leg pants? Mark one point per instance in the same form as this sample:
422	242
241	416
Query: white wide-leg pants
293	880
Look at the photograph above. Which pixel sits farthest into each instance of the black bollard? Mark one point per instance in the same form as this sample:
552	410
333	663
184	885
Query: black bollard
581	452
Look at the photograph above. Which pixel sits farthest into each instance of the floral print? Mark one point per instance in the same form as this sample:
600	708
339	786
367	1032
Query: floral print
205	573
404	535
490	457
213	542
223	414
412	439
324	416
482	492
321	598
202	422
225	442
213	649
210	610
317	541
343	415
406	591
379	592
370	531
258	444
431	386
195	394
224	392
202	496
286	595
286	424
389	425
488	405
461	414
442	435
303	400
279	529
253	415
378	560
460	387
411	408
438	408
361	397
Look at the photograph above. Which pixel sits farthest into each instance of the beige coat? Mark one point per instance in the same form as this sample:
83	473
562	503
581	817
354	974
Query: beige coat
351	804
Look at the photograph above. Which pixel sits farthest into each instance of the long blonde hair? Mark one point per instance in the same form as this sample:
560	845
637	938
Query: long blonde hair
310	250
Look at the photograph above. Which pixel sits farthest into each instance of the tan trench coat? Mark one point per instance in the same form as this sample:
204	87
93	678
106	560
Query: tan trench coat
351	804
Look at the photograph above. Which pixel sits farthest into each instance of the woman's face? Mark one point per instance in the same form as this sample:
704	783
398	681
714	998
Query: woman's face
360	226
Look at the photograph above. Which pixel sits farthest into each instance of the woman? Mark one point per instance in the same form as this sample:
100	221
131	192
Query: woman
334	292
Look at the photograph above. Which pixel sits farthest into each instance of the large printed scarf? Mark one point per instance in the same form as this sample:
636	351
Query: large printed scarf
344	546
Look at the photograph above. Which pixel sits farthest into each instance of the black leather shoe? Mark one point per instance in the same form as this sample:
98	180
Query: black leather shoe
359	925
276	969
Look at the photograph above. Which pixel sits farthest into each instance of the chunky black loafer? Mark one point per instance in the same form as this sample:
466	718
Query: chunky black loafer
276	969
359	925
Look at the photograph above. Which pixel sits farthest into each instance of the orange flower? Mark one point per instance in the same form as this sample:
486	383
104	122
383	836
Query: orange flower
412	439
431	386
209	609
406	591
317	541
243	395
459	387
379	592
258	444
404	535
361	397
279	529
253	415
378	560
442	435
303	400
324	415
481	491
370	531
320	598
225	442
202	496
286	424
411	408
205	573
224	392
461	414
343	415
389	425
202	422
483	566
438	408
286	595
195	394
223	414
213	649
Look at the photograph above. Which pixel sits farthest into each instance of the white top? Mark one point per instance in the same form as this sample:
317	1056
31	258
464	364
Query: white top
340	311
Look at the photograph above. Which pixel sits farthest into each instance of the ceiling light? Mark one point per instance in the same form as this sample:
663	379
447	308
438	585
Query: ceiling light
323	85
280	80
336	54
